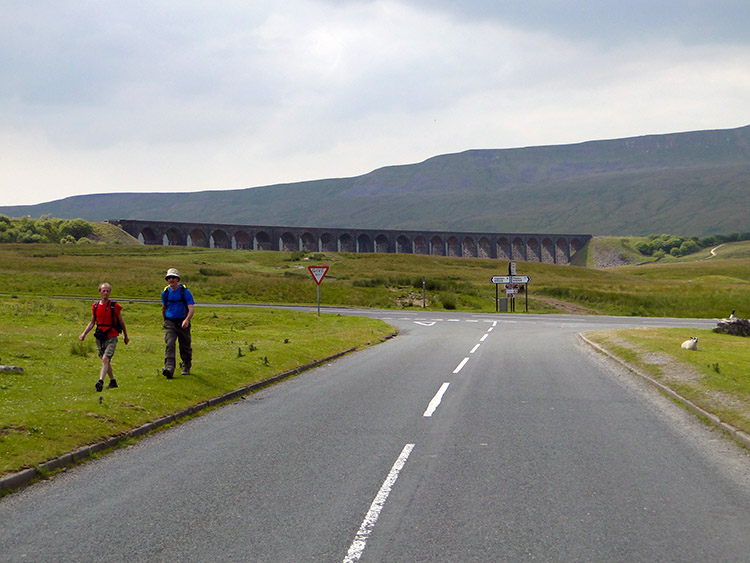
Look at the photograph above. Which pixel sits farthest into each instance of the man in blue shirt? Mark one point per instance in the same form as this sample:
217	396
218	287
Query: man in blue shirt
177	308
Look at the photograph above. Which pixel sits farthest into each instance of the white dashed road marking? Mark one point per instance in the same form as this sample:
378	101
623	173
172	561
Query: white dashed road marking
461	365
360	540
435	402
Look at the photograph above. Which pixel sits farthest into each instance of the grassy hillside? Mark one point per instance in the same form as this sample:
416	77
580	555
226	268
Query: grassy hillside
610	252
111	234
695	184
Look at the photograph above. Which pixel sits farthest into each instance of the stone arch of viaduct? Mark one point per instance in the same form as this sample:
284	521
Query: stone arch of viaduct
529	247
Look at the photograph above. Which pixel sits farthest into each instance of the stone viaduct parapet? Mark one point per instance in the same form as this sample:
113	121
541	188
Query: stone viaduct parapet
529	247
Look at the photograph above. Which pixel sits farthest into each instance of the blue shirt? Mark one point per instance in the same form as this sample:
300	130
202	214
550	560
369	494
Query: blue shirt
176	309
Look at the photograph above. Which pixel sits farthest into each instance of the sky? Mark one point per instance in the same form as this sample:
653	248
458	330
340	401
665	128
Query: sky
181	96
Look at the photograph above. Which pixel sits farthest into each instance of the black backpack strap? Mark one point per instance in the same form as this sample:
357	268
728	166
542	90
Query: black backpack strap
165	296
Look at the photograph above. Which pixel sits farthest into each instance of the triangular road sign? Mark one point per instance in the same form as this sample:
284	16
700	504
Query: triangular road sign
318	273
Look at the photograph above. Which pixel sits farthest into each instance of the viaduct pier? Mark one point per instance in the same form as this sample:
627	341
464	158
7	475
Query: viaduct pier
529	247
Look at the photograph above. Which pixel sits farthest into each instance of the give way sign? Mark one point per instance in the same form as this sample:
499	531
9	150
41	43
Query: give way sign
318	273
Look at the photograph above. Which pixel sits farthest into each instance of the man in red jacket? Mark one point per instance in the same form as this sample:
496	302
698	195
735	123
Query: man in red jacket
107	316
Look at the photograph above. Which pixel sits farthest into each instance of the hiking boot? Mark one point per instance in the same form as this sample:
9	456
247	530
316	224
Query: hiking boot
99	385
185	370
167	373
112	384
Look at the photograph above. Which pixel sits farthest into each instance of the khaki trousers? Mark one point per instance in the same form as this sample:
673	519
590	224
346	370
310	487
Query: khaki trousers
173	333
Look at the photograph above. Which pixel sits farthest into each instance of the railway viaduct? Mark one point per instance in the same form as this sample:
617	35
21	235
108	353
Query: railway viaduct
529	247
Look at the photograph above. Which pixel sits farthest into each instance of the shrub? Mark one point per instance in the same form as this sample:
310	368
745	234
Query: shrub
213	272
448	300
77	228
688	247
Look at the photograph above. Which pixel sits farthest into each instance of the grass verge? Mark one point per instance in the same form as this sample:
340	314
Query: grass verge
716	377
52	408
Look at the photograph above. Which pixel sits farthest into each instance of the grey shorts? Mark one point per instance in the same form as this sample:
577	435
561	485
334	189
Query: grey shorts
106	347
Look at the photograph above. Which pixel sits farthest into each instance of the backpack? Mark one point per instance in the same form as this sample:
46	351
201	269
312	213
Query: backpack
115	320
164	296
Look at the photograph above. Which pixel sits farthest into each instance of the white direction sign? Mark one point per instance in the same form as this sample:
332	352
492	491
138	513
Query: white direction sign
318	272
500	279
519	279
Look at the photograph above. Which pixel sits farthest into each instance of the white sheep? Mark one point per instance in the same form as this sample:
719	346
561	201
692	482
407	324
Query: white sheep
691	344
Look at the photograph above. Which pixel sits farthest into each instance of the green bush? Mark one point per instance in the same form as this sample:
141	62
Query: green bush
43	230
658	245
77	228
448	301
213	272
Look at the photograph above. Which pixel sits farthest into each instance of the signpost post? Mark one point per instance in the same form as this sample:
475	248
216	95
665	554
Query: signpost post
497	280
318	273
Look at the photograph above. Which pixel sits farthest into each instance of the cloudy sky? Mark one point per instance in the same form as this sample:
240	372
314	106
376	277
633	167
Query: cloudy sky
166	95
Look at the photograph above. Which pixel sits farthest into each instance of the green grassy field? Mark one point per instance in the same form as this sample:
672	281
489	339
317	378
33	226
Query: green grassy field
706	288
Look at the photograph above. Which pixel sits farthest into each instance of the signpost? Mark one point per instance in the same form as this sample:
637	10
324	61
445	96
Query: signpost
318	273
511	282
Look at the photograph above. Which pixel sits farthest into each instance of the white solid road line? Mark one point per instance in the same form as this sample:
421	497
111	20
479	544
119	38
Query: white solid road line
360	540
435	402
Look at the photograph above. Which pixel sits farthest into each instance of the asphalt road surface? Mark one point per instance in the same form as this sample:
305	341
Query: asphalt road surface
466	438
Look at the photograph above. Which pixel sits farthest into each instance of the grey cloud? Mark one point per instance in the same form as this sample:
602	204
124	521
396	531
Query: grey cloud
605	21
307	88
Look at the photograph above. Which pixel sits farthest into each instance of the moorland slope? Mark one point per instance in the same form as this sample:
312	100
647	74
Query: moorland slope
693	184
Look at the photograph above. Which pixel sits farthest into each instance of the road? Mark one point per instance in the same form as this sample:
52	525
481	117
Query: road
466	438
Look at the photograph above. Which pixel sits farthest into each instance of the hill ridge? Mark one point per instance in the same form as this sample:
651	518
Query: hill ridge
692	183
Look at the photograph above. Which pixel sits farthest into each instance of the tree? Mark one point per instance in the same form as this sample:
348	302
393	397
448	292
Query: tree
688	247
644	248
76	228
